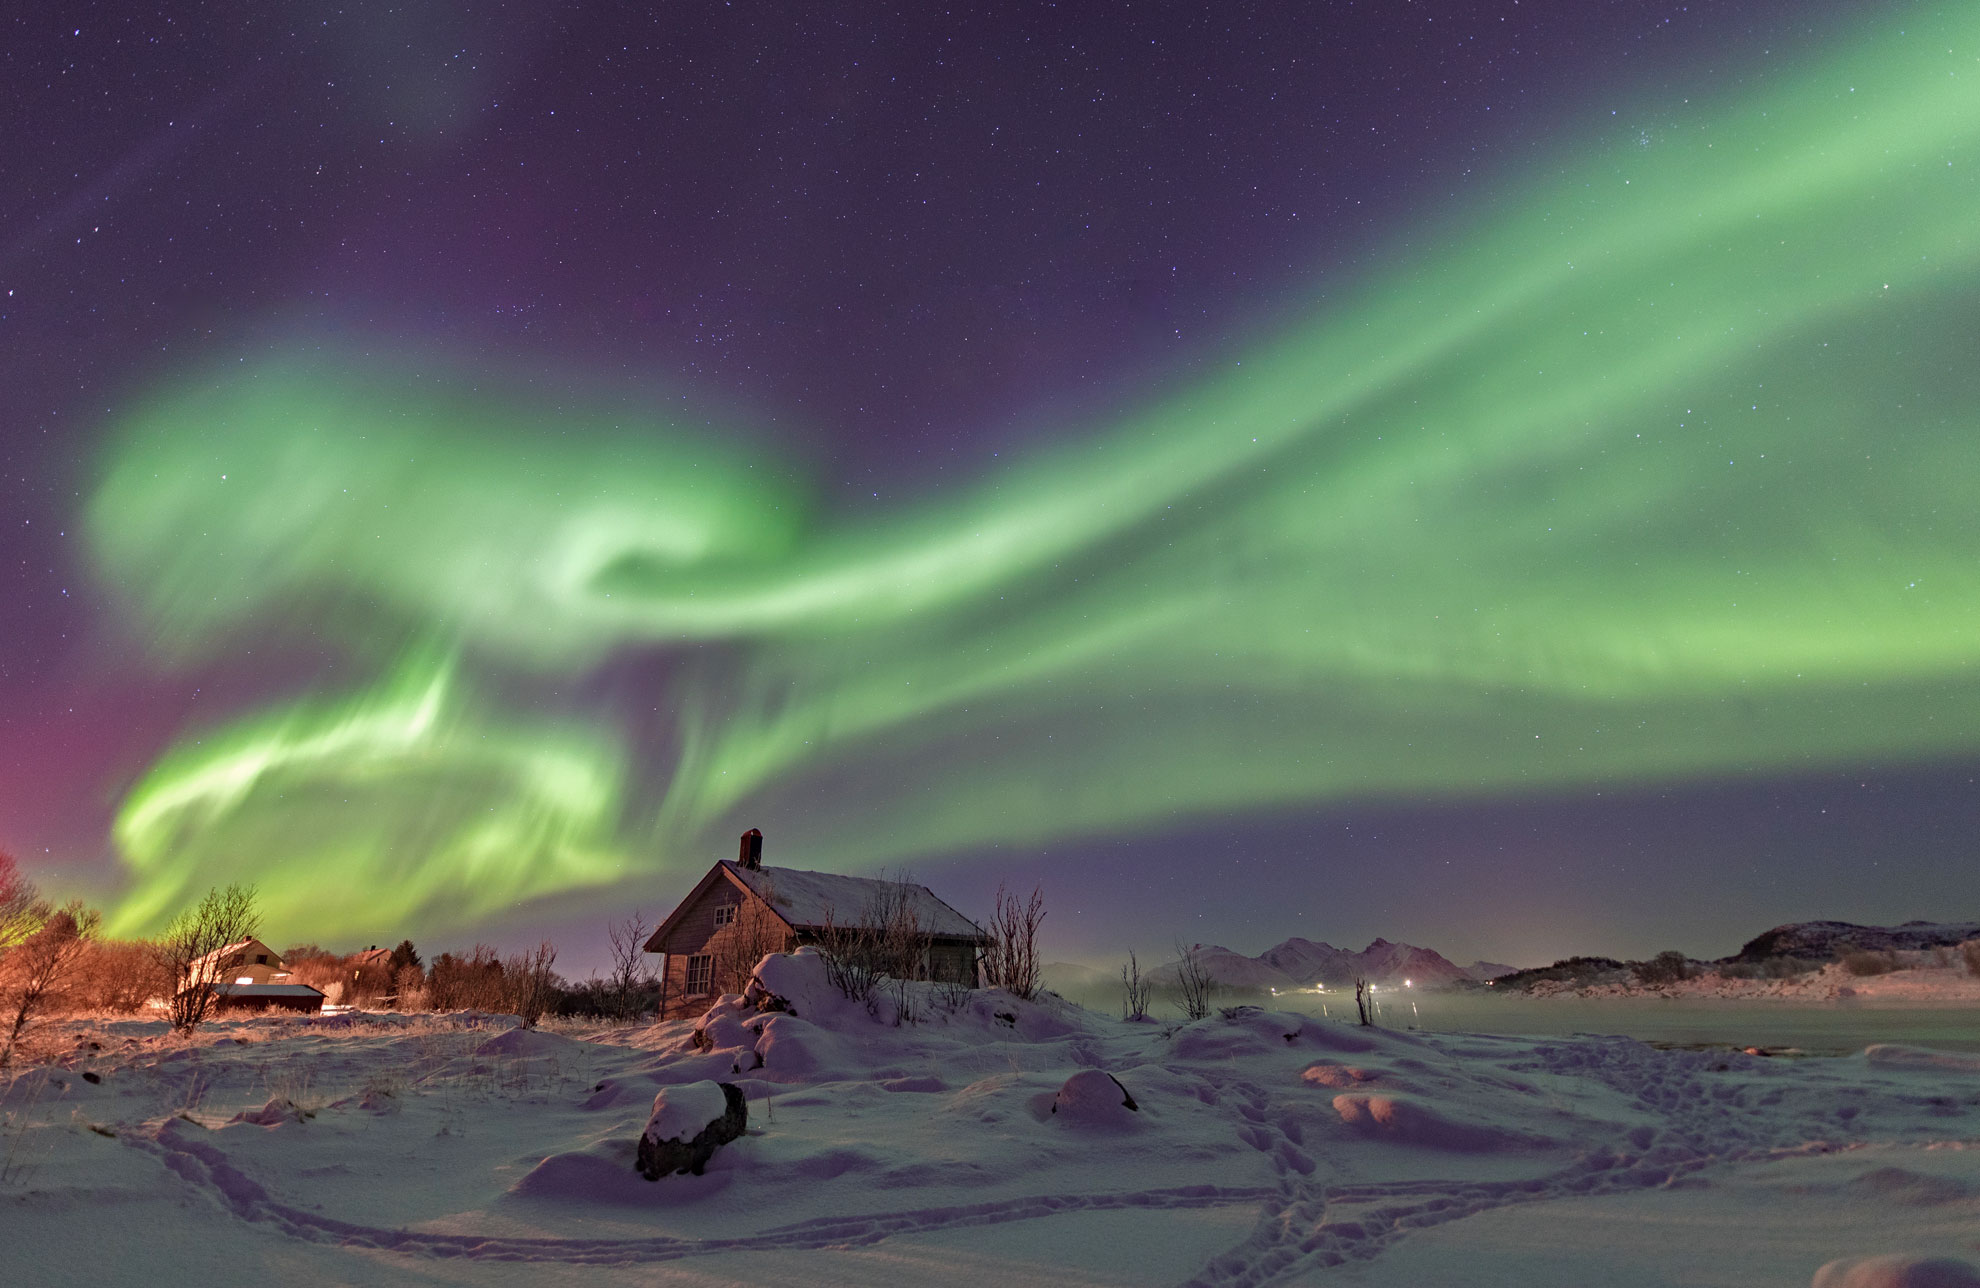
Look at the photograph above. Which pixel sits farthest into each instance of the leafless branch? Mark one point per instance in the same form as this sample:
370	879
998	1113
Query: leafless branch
1011	961
189	951
1193	982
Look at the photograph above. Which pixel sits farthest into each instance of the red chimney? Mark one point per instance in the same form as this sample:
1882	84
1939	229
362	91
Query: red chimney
751	856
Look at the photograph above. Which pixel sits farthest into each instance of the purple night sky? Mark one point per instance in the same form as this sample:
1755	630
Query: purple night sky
893	249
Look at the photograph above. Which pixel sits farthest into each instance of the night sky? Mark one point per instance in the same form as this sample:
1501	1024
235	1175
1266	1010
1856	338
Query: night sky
1499	475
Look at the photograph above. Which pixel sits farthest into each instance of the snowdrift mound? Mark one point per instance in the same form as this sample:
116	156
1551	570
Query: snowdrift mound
1897	1272
526	1044
1409	1123
1095	1098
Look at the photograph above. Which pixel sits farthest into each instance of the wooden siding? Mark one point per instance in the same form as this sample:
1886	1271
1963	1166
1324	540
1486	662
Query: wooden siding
695	933
735	947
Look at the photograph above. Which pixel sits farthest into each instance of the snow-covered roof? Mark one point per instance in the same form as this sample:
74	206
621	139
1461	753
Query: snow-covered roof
805	899
220	955
266	990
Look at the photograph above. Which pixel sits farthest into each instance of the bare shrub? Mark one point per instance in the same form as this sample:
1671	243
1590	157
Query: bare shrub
1970	953
191	951
368	983
115	975
1667	967
470	983
885	942
22	909
1193	983
1136	990
951	995
410	988
1011	961
310	965
1869	963
531	987
34	970
851	958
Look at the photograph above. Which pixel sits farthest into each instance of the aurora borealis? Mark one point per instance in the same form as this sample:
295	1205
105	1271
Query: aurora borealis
1645	466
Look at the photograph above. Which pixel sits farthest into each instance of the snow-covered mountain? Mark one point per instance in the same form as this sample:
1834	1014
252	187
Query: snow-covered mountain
1228	970
1299	963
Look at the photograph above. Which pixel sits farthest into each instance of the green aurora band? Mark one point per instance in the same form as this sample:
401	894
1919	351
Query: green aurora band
1660	467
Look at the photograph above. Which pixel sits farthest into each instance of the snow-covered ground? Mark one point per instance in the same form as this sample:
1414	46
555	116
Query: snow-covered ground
1263	1148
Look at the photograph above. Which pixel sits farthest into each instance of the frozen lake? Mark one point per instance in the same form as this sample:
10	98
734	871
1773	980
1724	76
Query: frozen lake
1816	1027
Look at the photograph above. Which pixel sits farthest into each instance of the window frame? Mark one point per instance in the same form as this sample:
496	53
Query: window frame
703	965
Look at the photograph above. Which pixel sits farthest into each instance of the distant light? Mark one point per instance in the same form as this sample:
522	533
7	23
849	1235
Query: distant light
1409	983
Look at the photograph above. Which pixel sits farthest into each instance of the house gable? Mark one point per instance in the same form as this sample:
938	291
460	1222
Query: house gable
245	959
690	925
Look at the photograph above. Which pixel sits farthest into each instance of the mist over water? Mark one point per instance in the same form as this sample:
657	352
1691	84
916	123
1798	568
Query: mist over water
1840	1027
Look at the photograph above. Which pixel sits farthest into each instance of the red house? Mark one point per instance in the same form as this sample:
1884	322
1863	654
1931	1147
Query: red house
742	910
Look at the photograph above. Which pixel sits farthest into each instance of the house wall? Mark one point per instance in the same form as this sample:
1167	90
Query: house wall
242	965
733	949
949	961
305	1005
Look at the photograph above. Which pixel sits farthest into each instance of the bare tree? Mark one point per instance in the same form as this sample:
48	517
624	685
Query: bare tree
1193	983
36	968
1011	961
1364	1000
631	975
1136	989
530	984
754	934
22	909
193	951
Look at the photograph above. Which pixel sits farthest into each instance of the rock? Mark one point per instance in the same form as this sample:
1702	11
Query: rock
687	1124
1897	1271
278	1110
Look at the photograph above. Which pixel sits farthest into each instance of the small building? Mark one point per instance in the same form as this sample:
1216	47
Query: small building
742	910
267	997
248	975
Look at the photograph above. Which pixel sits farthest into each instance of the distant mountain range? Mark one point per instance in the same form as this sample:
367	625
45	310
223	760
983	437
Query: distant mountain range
1302	963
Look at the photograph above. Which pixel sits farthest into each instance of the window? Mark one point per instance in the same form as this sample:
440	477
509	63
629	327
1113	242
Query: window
261	959
700	974
725	915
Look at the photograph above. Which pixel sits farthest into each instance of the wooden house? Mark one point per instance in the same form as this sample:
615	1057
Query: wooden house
742	910
250	976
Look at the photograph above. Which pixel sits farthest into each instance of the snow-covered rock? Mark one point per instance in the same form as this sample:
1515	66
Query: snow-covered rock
1094	1098
687	1124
